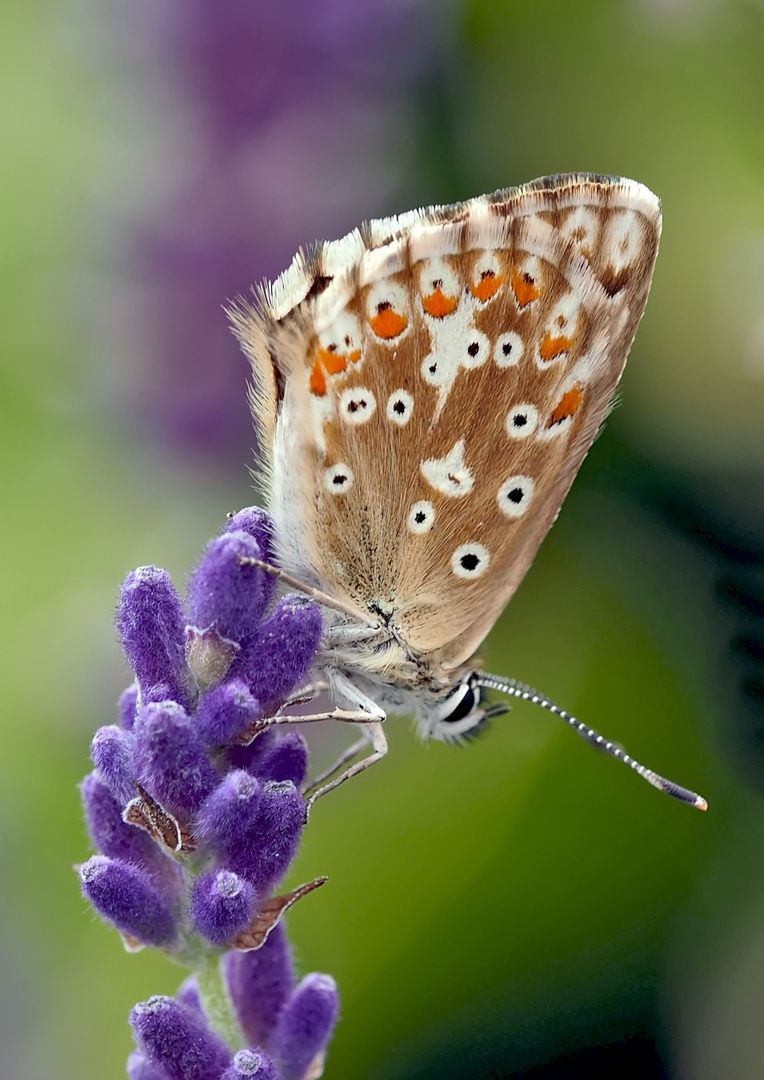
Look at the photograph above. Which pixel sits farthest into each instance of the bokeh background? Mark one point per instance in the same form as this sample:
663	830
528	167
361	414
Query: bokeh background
524	907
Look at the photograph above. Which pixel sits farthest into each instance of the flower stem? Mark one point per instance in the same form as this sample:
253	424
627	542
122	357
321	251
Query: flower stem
217	1002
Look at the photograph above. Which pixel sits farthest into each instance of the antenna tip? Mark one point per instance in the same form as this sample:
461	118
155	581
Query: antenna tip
700	803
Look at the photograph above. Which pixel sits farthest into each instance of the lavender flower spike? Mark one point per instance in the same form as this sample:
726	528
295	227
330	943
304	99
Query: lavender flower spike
195	831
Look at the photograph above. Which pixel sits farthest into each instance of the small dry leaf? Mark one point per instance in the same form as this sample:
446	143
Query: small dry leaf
147	814
316	1067
132	944
268	914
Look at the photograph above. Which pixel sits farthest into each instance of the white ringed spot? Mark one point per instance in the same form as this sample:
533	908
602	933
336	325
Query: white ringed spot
421	518
400	407
357	405
522	421
476	351
449	475
339	478
509	349
470	560
515	495
623	239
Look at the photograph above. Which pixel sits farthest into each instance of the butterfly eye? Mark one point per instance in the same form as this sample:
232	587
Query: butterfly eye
464	705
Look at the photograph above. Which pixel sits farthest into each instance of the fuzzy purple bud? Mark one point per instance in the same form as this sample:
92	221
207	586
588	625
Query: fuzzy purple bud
171	760
305	1026
112	753
178	1039
125	895
260	982
230	811
114	837
265	852
152	630
259	525
279	658
286	759
128	706
226	594
140	1068
251	1065
225	712
222	905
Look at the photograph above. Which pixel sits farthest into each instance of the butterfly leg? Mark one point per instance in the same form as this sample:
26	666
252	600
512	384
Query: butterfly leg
346	756
376	736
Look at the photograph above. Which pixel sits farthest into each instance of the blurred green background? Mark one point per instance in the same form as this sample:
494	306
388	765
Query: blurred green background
524	904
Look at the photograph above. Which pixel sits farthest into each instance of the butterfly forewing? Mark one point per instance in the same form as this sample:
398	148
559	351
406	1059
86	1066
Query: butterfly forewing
452	369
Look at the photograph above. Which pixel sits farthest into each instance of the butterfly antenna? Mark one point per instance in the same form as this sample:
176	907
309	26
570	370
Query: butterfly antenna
519	690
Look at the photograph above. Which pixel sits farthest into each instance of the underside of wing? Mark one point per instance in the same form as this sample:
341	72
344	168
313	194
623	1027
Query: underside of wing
436	381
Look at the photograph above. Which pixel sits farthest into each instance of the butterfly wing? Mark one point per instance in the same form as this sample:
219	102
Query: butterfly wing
438	379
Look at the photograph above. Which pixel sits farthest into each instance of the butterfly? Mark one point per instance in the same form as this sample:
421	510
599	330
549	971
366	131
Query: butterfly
425	390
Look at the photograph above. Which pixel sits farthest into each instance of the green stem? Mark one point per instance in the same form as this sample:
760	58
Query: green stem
217	1002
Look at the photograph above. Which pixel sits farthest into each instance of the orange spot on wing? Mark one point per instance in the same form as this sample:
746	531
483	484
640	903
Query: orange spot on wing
552	347
488	286
332	362
569	405
355	356
388	323
438	304
524	288
317	379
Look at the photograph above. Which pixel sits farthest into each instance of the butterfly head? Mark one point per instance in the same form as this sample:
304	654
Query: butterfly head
457	716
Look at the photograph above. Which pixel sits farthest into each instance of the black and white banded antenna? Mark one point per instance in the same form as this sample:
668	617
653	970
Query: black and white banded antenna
519	690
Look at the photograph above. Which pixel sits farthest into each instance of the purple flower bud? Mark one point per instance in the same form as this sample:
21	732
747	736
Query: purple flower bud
286	759
225	712
178	1039
188	994
222	905
140	1068
279	657
114	837
259	525
229	813
152	630
305	1025
265	852
251	1065
128	707
260	983
125	895
170	759
226	594
251	756
112	753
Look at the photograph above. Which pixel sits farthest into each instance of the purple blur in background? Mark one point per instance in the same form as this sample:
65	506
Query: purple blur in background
296	125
